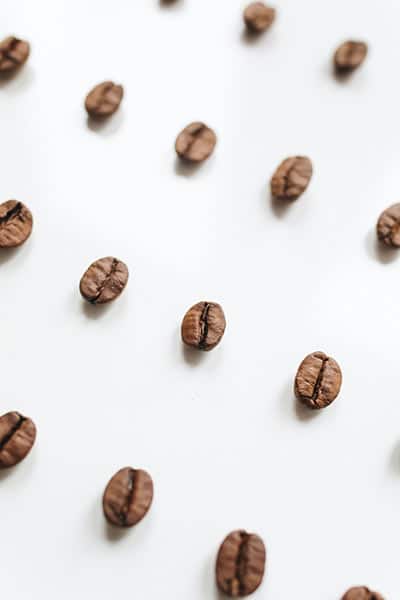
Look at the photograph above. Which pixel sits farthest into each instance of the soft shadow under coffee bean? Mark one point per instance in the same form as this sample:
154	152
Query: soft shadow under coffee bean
195	143
203	326
292	177
104	280
104	99
128	497
16	223
388	226
17	436
258	17
361	593
13	54
240	564
349	56
318	380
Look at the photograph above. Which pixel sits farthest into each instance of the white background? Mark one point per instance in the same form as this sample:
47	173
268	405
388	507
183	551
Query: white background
220	433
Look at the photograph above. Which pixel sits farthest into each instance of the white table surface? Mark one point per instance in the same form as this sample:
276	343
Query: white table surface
220	433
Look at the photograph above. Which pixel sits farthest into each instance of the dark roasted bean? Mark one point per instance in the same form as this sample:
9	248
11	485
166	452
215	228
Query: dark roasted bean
318	380
203	326
128	497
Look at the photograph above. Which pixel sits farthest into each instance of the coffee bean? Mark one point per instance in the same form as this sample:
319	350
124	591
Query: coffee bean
203	326
388	226
15	224
104	280
318	380
349	56
258	17
104	99
291	178
361	593
13	54
17	436
240	564
195	143
128	497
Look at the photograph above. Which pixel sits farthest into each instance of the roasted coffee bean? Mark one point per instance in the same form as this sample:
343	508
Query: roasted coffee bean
17	436
203	326
361	593
388	226
104	99
258	17
240	564
104	280
13	54
195	143
349	56
15	224
318	380
128	497
291	178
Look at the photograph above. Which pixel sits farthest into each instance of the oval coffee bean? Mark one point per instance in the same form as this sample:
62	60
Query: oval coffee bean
349	56
195	143
203	326
104	99
128	497
17	436
258	17
291	178
361	593
13	54
16	223
104	280
318	380
388	226
240	564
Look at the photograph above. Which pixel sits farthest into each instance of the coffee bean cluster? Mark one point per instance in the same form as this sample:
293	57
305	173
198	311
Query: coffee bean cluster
241	559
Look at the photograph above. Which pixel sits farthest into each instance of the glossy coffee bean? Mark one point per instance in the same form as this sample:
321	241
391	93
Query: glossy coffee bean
17	436
318	380
361	593
349	56
15	224
128	497
104	280
240	564
258	17
104	99
13	54
203	326
195	143
292	177
388	226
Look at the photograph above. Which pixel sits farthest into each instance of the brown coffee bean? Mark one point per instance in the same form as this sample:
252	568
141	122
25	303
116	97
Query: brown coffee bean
15	224
13	54
128	497
318	380
349	56
203	326
258	17
240	564
195	143
291	178
104	99
388	226
17	436
104	280
361	593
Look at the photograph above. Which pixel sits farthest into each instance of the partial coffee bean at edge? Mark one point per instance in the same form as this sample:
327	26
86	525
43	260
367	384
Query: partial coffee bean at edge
388	226
17	436
16	224
195	143
104	99
203	326
318	380
240	564
104	280
258	17
291	178
361	593
349	56
13	54
128	497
